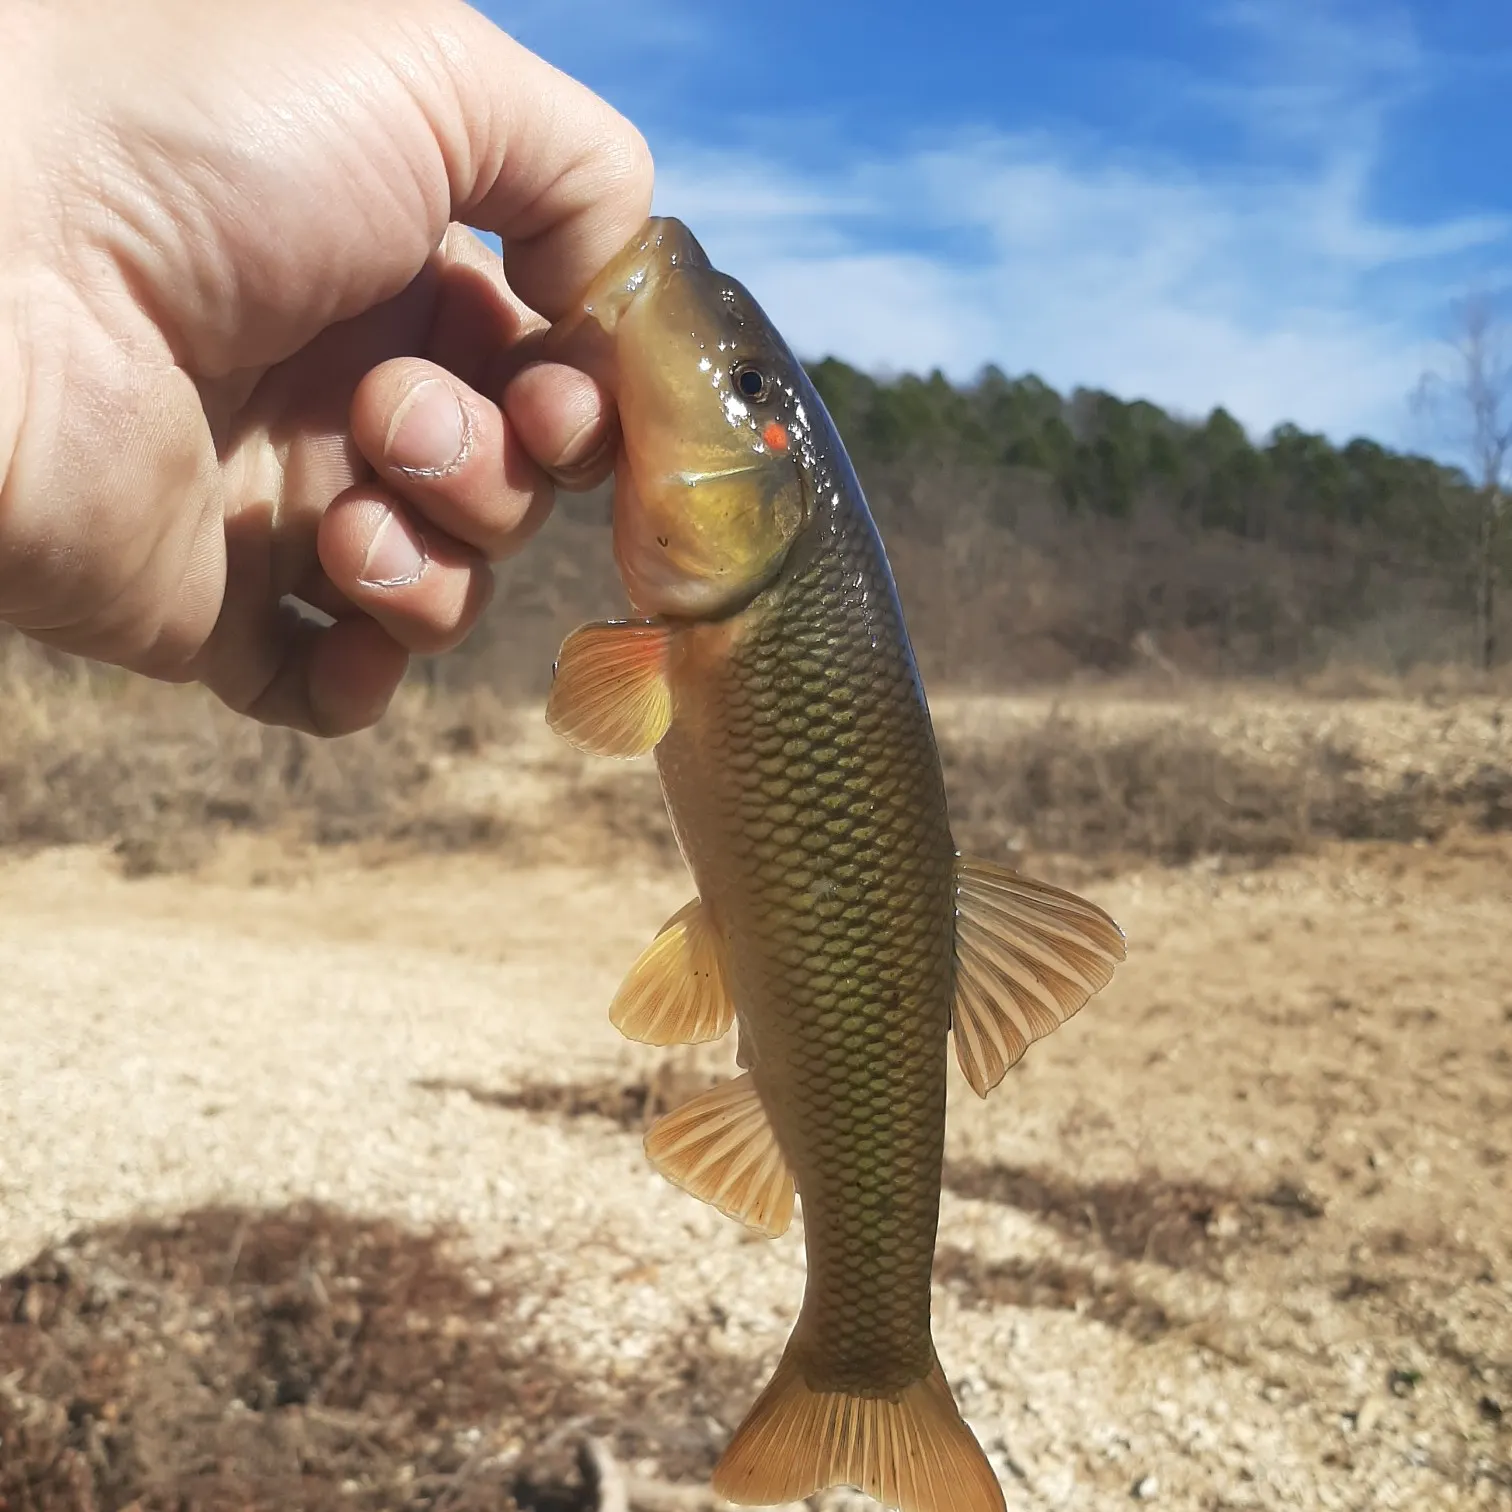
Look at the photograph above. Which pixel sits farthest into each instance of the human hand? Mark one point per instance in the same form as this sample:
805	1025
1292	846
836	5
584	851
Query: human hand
246	351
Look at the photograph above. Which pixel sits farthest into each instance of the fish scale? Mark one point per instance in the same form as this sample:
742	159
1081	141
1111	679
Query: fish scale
812	810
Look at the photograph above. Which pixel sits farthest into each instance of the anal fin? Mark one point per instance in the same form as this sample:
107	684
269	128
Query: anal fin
1027	956
720	1147
675	994
609	693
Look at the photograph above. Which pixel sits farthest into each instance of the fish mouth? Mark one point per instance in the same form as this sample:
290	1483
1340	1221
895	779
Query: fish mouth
663	246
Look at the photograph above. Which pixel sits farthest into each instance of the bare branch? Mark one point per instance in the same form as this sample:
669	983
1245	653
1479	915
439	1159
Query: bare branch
1475	396
1472	395
604	1475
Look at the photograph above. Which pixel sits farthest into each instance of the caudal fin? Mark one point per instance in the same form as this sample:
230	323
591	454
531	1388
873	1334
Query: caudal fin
911	1451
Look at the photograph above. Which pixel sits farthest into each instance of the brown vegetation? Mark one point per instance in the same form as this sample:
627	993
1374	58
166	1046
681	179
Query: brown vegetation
158	773
1007	589
296	1360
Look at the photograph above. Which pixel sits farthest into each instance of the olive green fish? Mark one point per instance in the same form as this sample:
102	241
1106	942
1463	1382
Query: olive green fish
835	922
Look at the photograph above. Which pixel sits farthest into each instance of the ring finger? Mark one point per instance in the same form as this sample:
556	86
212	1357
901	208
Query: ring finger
423	586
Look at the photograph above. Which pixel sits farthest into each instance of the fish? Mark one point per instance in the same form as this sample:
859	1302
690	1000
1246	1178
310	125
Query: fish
836	926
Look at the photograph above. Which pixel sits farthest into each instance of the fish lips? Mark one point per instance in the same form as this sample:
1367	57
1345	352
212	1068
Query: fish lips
585	338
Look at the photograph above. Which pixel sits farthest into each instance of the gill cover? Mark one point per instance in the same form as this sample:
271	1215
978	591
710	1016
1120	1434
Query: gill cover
709	488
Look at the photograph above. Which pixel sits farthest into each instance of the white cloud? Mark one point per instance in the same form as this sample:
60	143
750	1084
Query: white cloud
1320	73
1280	296
1270	283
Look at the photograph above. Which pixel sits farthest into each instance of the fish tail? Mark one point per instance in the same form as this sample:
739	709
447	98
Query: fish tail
909	1449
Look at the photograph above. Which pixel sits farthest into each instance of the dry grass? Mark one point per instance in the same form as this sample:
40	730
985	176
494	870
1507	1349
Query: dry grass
90	757
1179	791
1167	795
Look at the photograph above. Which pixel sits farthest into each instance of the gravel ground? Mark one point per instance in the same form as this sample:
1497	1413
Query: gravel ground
1238	1236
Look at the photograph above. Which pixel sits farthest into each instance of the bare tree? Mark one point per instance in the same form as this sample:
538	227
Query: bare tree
1473	398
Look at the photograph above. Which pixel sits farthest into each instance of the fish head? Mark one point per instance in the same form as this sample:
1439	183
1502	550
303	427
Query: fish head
710	486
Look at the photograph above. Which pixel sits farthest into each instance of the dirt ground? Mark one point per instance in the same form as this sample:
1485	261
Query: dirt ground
321	1186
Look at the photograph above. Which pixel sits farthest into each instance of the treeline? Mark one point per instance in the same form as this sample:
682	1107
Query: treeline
1107	456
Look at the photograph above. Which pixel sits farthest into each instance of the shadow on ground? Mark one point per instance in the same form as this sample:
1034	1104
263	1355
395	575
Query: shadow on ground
632	1103
1149	1218
306	1359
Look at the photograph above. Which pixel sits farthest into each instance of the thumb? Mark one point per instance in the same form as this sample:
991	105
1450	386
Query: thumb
558	174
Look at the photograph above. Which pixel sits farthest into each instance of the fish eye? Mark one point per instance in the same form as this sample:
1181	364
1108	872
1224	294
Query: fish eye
750	382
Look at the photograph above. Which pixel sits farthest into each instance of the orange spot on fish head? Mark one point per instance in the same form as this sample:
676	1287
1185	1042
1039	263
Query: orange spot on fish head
775	436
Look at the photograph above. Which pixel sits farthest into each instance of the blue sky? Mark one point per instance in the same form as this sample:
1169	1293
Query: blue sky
1268	204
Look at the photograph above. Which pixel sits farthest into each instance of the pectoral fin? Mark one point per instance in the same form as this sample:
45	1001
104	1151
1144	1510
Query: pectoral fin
610	695
1027	956
675	994
721	1148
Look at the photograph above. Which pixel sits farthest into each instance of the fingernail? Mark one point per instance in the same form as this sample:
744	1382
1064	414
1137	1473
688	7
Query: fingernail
395	557
583	456
583	446
429	431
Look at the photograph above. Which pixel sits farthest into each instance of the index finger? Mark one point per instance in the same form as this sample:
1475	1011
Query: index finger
540	160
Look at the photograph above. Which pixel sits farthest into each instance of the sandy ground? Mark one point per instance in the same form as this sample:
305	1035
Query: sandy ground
1238	1236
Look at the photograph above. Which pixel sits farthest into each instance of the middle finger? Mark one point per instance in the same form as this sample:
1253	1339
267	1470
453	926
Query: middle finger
451	453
